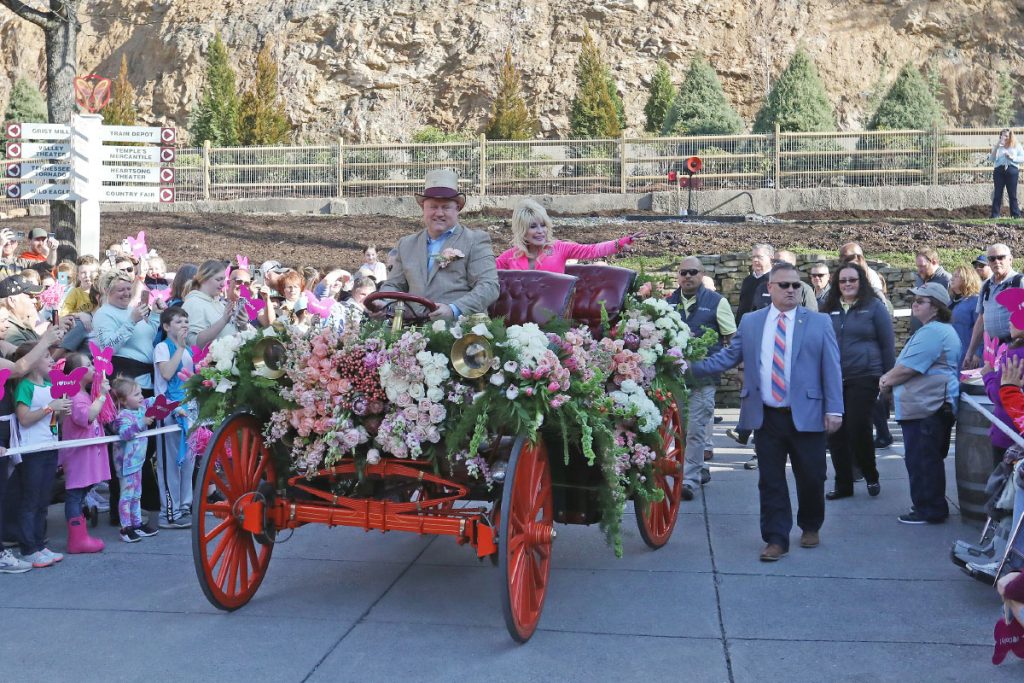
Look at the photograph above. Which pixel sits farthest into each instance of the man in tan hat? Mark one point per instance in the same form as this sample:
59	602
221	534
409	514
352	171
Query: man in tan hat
445	262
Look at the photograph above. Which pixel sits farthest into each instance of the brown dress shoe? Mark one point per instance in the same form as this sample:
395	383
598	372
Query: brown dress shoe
772	552
708	455
809	539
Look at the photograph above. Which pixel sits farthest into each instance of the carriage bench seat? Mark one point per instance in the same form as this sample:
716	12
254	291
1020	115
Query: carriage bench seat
532	296
598	283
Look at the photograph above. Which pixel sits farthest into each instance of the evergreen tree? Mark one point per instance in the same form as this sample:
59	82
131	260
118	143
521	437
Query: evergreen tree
1004	112
261	116
25	105
594	112
798	101
660	95
121	110
216	116
701	107
510	119
909	104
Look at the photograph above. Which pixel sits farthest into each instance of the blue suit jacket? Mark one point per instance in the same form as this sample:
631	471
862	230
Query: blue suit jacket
815	378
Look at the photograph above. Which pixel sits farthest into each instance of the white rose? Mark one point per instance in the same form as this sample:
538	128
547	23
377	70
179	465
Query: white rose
438	326
456	331
481	329
372	456
435	394
497	379
416	391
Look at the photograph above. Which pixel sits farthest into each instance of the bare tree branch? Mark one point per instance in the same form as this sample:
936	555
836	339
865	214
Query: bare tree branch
37	17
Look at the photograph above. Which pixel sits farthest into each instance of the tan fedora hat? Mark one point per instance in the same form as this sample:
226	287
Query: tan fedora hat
441	183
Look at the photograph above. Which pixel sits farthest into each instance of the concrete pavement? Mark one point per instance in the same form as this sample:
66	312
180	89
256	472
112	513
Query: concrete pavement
877	601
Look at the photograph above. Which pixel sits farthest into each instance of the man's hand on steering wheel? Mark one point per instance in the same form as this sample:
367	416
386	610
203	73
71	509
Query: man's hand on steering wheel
443	312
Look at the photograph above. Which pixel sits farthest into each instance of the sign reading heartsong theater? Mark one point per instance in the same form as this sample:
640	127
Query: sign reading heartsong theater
89	162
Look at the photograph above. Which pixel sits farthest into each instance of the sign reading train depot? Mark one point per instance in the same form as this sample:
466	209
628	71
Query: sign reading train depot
89	163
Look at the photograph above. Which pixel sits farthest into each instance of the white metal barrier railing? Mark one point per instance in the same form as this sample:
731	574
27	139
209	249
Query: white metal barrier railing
95	441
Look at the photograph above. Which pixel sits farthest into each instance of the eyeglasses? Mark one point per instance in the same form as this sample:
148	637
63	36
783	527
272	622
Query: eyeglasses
922	301
848	280
240	282
819	274
787	285
998	257
689	272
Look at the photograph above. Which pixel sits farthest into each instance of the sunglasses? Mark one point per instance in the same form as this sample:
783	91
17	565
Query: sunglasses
922	301
240	282
819	274
787	285
689	272
848	280
127	269
998	257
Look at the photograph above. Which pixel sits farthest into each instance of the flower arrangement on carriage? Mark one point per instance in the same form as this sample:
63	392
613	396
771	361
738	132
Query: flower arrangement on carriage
384	427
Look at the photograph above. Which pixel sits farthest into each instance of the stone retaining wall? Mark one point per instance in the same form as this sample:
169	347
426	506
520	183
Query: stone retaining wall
728	271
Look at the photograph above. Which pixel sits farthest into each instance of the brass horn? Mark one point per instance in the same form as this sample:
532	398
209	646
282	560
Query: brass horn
472	355
268	357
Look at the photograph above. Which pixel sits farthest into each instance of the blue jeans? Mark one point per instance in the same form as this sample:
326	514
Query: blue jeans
1005	176
73	499
37	474
925	445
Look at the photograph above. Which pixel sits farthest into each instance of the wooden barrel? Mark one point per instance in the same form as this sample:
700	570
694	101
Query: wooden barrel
973	453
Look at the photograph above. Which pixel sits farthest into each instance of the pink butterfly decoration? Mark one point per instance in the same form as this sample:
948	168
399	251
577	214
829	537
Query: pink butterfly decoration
4	375
59	363
101	359
160	294
183	375
1009	638
253	305
993	351
1012	299
52	295
243	262
227	277
66	386
161	408
137	244
198	354
321	307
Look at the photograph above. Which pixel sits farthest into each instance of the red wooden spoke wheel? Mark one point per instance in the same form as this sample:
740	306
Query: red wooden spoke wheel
526	533
231	561
657	520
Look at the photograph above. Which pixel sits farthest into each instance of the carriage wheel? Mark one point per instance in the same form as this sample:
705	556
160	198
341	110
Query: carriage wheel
230	561
657	520
526	533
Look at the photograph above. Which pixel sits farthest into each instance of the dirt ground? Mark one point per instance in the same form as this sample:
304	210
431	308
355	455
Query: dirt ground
333	241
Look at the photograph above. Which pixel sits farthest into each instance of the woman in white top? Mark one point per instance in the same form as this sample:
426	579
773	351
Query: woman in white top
210	316
1007	157
372	267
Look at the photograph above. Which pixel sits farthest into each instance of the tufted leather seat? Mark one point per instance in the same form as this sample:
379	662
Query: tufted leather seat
532	296
596	284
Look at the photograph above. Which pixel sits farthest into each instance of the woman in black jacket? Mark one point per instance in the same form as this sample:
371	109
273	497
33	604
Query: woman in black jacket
867	350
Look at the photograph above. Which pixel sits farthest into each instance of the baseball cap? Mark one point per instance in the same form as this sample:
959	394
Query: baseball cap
36	233
16	284
272	267
982	258
934	290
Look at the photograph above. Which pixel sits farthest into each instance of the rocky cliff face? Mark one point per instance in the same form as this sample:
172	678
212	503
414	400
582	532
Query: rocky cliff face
377	69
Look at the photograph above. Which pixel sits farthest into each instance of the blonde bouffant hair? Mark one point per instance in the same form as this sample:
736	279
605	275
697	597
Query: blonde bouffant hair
525	213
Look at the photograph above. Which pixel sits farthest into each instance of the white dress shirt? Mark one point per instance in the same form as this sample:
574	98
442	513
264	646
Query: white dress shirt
768	353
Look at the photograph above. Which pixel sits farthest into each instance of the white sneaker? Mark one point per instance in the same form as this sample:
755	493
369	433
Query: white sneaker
38	559
56	557
9	564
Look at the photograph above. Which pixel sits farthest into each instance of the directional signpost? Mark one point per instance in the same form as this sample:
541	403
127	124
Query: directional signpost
89	163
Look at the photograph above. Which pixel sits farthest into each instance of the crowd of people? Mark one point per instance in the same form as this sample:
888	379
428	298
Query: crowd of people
821	370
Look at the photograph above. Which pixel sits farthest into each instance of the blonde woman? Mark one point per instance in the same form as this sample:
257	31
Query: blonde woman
964	287
534	246
210	316
1007	157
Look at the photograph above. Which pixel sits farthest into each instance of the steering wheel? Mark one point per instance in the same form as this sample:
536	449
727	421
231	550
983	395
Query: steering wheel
370	303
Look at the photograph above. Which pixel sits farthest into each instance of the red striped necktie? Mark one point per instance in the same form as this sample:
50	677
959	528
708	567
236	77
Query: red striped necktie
779	361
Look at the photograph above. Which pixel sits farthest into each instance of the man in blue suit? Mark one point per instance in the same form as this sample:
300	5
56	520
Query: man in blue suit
792	395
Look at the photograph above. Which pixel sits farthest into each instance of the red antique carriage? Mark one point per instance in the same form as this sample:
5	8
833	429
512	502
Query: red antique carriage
512	523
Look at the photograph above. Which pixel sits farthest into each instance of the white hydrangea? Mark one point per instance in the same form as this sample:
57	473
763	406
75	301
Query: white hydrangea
631	398
529	341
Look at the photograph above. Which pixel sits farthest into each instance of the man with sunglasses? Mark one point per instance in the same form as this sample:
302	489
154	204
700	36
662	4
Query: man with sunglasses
820	282
993	318
792	396
701	309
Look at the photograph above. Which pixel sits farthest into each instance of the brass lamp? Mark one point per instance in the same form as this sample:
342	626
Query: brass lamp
471	356
268	357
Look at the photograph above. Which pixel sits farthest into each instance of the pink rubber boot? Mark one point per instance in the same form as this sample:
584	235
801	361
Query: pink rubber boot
79	540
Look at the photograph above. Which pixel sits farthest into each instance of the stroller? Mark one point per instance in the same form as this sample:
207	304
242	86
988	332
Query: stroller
1001	546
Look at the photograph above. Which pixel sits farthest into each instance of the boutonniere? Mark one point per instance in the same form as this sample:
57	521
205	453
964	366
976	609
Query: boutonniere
446	256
